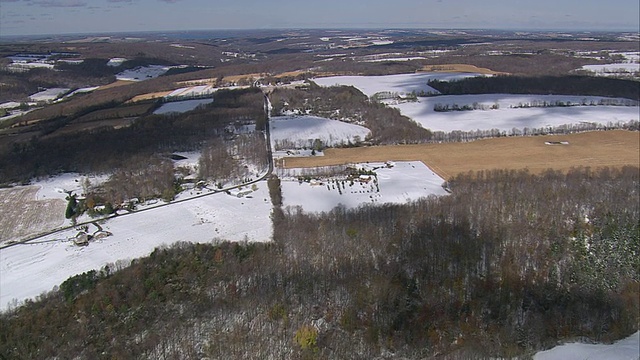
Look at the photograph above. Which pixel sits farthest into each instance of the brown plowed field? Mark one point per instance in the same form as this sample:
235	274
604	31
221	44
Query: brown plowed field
23	215
594	149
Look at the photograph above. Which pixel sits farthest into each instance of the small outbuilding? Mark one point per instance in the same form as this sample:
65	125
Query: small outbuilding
81	239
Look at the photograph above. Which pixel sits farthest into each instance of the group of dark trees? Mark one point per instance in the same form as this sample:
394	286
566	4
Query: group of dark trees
563	85
347	103
507	265
233	160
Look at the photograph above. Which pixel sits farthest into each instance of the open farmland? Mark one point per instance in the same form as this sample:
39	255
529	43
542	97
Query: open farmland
461	68
401	84
115	113
512	112
397	183
50	260
594	149
30	216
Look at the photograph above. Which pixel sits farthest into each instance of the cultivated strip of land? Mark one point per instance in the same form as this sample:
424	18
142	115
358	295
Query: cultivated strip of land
22	213
595	149
461	68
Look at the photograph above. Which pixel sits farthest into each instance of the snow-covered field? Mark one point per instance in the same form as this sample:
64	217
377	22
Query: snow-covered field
406	58
626	349
629	66
49	94
402	84
506	118
613	69
143	73
116	62
404	182
83	90
28	270
181	106
303	130
198	90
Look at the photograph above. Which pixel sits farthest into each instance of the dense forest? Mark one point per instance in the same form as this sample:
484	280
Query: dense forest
106	148
564	85
506	265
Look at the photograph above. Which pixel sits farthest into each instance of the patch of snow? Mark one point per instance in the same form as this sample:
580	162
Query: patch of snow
182	46
303	130
10	105
404	182
56	187
402	84
48	94
381	42
143	73
116	62
506	118
83	90
613	69
626	349
409	58
181	106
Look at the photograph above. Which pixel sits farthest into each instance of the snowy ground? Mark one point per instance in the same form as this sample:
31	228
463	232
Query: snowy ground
404	182
402	84
198	90
406	58
49	94
506	118
116	62
83	90
303	130
625	69
45	203
28	270
181	106
143	73
626	349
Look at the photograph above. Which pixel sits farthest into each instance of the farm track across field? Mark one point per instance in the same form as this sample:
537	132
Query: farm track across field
595	149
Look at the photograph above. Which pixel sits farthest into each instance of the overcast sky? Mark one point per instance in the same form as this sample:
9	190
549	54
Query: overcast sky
30	17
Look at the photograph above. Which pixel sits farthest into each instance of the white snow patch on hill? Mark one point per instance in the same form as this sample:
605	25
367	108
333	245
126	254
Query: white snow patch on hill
30	269
404	182
48	94
613	69
143	73
626	349
181	106
506	118
303	130
402	84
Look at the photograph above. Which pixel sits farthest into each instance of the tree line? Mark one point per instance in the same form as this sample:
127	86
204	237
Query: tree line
561	85
506	265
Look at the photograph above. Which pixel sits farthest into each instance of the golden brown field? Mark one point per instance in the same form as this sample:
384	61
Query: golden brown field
464	68
116	83
595	149
149	96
